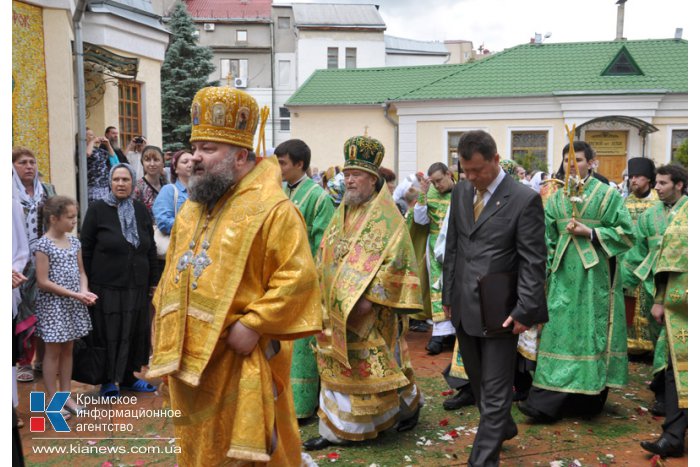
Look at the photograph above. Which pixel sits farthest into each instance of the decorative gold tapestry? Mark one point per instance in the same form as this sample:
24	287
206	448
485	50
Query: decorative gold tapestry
30	114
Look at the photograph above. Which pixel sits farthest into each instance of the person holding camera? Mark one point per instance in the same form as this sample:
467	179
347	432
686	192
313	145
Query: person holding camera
98	163
133	154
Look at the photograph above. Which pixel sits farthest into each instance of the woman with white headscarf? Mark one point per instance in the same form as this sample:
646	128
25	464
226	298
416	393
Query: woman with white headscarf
31	194
119	255
536	181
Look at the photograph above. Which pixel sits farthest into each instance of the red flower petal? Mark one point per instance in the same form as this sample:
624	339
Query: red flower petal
453	433
444	422
447	393
333	455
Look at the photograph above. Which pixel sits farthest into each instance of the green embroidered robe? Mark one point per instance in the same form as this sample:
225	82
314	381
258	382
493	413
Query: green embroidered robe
642	329
419	238
583	347
437	204
638	274
672	282
317	208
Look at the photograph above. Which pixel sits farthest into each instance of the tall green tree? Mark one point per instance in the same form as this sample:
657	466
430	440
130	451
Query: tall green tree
185	71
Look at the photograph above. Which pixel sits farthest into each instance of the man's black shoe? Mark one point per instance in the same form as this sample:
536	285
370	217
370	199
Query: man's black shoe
314	444
307	420
519	395
663	447
658	409
448	342
511	432
434	347
409	423
463	398
418	326
439	343
535	414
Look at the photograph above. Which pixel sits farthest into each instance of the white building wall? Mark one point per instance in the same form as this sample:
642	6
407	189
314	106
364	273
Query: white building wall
263	96
414	59
423	127
312	50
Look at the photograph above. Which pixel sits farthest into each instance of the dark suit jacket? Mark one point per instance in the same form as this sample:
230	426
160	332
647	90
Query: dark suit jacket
509	236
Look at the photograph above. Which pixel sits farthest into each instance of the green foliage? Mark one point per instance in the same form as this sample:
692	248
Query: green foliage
681	154
530	162
185	71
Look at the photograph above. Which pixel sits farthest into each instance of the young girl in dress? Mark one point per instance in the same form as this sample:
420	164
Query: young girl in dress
63	295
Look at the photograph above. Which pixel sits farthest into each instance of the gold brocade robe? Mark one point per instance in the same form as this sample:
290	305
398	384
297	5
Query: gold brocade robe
373	257
641	331
236	410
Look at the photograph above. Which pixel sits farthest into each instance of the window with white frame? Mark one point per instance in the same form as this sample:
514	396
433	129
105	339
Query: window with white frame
285	119
237	67
677	139
284	72
350	57
452	143
283	22
332	58
241	35
529	149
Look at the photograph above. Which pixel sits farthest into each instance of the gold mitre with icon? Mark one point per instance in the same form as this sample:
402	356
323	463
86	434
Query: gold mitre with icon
363	153
224	115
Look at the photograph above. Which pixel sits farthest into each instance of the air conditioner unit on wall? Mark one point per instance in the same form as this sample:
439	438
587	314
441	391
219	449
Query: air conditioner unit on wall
240	82
209	26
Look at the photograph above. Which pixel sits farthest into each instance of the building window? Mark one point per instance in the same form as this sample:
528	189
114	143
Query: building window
284	119
452	143
332	58
678	137
284	72
283	22
529	149
622	65
237	67
350	57
241	35
129	110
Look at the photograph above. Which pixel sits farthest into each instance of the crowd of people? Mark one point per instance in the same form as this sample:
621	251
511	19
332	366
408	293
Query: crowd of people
284	294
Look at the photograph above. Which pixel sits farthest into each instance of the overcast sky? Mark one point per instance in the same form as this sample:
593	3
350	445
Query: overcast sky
500	24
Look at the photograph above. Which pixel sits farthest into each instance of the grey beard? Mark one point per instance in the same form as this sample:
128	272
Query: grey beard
208	188
115	144
356	199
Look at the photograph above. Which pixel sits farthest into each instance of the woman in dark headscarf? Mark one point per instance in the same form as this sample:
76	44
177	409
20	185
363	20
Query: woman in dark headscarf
119	256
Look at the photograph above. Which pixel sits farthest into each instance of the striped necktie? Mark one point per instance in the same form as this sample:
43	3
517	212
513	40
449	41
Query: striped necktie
479	203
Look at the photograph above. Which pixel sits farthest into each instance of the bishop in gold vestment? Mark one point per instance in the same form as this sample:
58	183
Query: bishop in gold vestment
239	285
369	285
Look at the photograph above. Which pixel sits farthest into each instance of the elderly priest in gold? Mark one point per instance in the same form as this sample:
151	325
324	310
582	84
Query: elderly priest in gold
239	285
369	285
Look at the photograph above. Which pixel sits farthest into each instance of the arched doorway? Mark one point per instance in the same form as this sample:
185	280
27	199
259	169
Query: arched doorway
614	139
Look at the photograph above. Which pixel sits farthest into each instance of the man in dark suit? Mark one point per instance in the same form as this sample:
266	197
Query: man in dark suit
496	226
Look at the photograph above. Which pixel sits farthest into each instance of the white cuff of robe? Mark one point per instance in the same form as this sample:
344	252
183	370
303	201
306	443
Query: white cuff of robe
443	328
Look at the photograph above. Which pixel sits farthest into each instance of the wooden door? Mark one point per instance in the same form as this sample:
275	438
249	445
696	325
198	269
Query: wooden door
611	150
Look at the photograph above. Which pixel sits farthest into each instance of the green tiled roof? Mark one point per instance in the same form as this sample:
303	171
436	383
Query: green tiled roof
366	85
524	70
